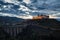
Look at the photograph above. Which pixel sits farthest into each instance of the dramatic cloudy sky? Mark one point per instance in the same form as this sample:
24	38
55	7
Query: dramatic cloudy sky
25	8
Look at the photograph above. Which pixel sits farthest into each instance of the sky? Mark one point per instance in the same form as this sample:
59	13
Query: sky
27	8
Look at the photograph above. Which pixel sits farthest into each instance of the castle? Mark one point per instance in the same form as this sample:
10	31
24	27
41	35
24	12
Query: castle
40	17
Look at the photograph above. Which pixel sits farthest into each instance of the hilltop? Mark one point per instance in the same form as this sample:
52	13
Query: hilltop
47	22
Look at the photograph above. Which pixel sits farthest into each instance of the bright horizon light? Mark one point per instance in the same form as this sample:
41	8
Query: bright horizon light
25	16
53	17
17	16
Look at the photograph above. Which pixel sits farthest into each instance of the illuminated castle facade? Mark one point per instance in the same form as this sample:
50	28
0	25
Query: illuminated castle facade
40	17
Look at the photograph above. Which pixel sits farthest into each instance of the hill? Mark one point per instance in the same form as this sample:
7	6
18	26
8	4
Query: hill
10	19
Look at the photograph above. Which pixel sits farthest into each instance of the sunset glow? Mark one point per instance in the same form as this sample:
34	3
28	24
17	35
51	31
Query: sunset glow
53	17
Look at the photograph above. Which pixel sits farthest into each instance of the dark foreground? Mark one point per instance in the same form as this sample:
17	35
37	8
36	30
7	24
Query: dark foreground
45	29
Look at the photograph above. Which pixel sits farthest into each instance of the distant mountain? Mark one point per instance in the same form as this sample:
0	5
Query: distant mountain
10	19
58	19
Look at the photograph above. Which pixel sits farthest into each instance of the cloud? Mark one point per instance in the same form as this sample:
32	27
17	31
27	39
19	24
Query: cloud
18	16
51	7
9	1
27	1
56	15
